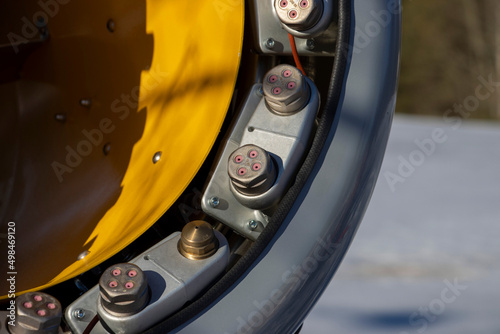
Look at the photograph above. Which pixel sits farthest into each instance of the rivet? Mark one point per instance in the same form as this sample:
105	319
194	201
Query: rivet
106	148
110	25
60	117
83	255
85	103
157	157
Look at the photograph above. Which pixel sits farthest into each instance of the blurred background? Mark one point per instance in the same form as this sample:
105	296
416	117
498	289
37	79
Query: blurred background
426	256
446	45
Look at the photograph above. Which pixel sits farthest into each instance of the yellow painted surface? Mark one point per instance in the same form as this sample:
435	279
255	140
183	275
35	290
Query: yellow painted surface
183	100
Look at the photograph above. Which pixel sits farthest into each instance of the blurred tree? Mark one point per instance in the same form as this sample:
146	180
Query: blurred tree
446	46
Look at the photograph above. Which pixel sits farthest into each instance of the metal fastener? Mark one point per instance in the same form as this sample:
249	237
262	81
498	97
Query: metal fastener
270	43
251	170
83	255
310	44
60	117
36	312
261	90
253	224
106	148
110	25
157	157
285	89
123	289
85	102
198	240
214	201
79	314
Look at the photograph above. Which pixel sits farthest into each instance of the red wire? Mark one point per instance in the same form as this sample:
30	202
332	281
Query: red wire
91	325
295	53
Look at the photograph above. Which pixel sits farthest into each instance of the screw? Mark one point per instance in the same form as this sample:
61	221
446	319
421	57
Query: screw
79	314
157	157
310	44
83	255
270	43
85	102
214	201
253	224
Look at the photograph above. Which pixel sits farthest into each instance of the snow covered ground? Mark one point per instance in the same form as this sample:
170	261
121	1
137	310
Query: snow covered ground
426	258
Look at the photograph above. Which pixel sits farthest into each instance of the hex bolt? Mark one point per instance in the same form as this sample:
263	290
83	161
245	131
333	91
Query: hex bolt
122	294
285	89
299	15
255	173
198	240
37	312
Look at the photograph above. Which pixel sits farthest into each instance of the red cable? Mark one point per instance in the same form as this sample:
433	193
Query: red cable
91	325
295	53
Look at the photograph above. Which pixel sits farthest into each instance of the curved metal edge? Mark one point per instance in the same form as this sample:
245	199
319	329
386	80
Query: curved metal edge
278	292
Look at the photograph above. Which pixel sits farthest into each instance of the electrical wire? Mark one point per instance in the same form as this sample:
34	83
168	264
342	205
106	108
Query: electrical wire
295	54
91	325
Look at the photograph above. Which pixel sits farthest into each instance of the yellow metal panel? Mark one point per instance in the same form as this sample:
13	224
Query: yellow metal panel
182	101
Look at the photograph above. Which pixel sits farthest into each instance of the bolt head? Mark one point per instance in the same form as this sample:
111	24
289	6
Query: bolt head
253	224
299	15
79	314
310	44
251	170
123	294
214	201
37	312
270	43
285	89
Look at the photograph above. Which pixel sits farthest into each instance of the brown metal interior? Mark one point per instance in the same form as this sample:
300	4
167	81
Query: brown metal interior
42	79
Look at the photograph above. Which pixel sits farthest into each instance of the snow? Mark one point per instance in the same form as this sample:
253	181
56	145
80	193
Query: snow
437	226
